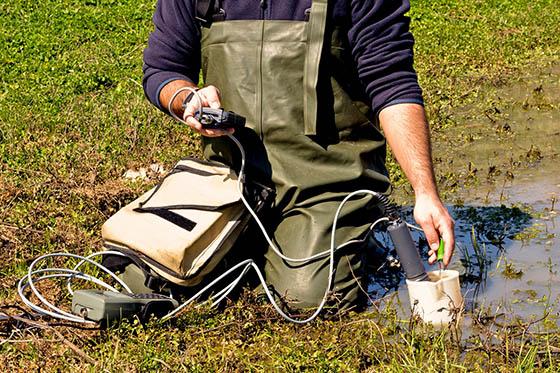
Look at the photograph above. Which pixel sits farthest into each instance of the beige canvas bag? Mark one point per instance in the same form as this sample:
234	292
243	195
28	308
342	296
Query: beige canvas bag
185	225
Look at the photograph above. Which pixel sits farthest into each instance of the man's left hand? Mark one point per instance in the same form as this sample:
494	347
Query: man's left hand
436	222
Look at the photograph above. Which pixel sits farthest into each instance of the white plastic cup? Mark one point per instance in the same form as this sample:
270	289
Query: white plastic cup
437	301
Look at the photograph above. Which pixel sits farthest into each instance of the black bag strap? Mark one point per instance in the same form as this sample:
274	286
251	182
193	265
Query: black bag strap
187	207
208	11
170	216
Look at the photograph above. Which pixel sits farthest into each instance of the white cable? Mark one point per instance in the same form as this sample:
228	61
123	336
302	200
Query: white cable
174	96
43	257
414	227
222	294
377	222
263	229
202	291
65	271
28	281
56	314
249	263
100	253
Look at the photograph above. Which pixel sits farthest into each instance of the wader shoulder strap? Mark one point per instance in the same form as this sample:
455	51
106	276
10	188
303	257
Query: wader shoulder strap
208	11
315	41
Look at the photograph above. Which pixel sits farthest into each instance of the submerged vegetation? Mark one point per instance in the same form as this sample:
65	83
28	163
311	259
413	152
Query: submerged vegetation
73	120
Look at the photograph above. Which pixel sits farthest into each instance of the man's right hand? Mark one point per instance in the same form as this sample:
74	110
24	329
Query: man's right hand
209	97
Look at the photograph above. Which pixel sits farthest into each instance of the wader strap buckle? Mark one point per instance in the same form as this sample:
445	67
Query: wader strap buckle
208	11
315	41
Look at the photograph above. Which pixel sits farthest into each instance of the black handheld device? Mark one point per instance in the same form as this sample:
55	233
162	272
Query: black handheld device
219	119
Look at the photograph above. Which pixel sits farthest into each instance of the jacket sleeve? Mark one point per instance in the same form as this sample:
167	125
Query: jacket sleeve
173	50
382	49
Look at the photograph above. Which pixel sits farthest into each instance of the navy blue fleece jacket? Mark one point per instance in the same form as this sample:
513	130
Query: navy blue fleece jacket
378	33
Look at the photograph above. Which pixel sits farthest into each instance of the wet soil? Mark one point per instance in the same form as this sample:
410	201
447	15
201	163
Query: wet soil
499	170
523	277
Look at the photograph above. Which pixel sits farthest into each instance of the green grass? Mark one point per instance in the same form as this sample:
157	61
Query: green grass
73	119
71	95
248	337
464	42
464	47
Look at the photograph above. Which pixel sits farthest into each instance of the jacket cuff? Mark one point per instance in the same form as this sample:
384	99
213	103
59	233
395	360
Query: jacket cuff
156	82
408	100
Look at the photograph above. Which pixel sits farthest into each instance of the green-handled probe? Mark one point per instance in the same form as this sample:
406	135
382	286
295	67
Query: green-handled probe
440	253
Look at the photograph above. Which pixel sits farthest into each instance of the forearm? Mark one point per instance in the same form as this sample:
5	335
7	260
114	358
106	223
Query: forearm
408	135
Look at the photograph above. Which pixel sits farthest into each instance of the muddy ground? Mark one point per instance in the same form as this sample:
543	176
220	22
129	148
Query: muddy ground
498	169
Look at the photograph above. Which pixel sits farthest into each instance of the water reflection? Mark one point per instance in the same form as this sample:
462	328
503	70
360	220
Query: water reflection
482	234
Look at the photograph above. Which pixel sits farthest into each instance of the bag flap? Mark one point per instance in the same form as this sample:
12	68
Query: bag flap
195	183
167	243
165	223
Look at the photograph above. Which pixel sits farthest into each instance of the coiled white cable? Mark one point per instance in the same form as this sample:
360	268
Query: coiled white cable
29	281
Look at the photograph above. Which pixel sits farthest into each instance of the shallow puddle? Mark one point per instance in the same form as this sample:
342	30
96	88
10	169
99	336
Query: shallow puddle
523	271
